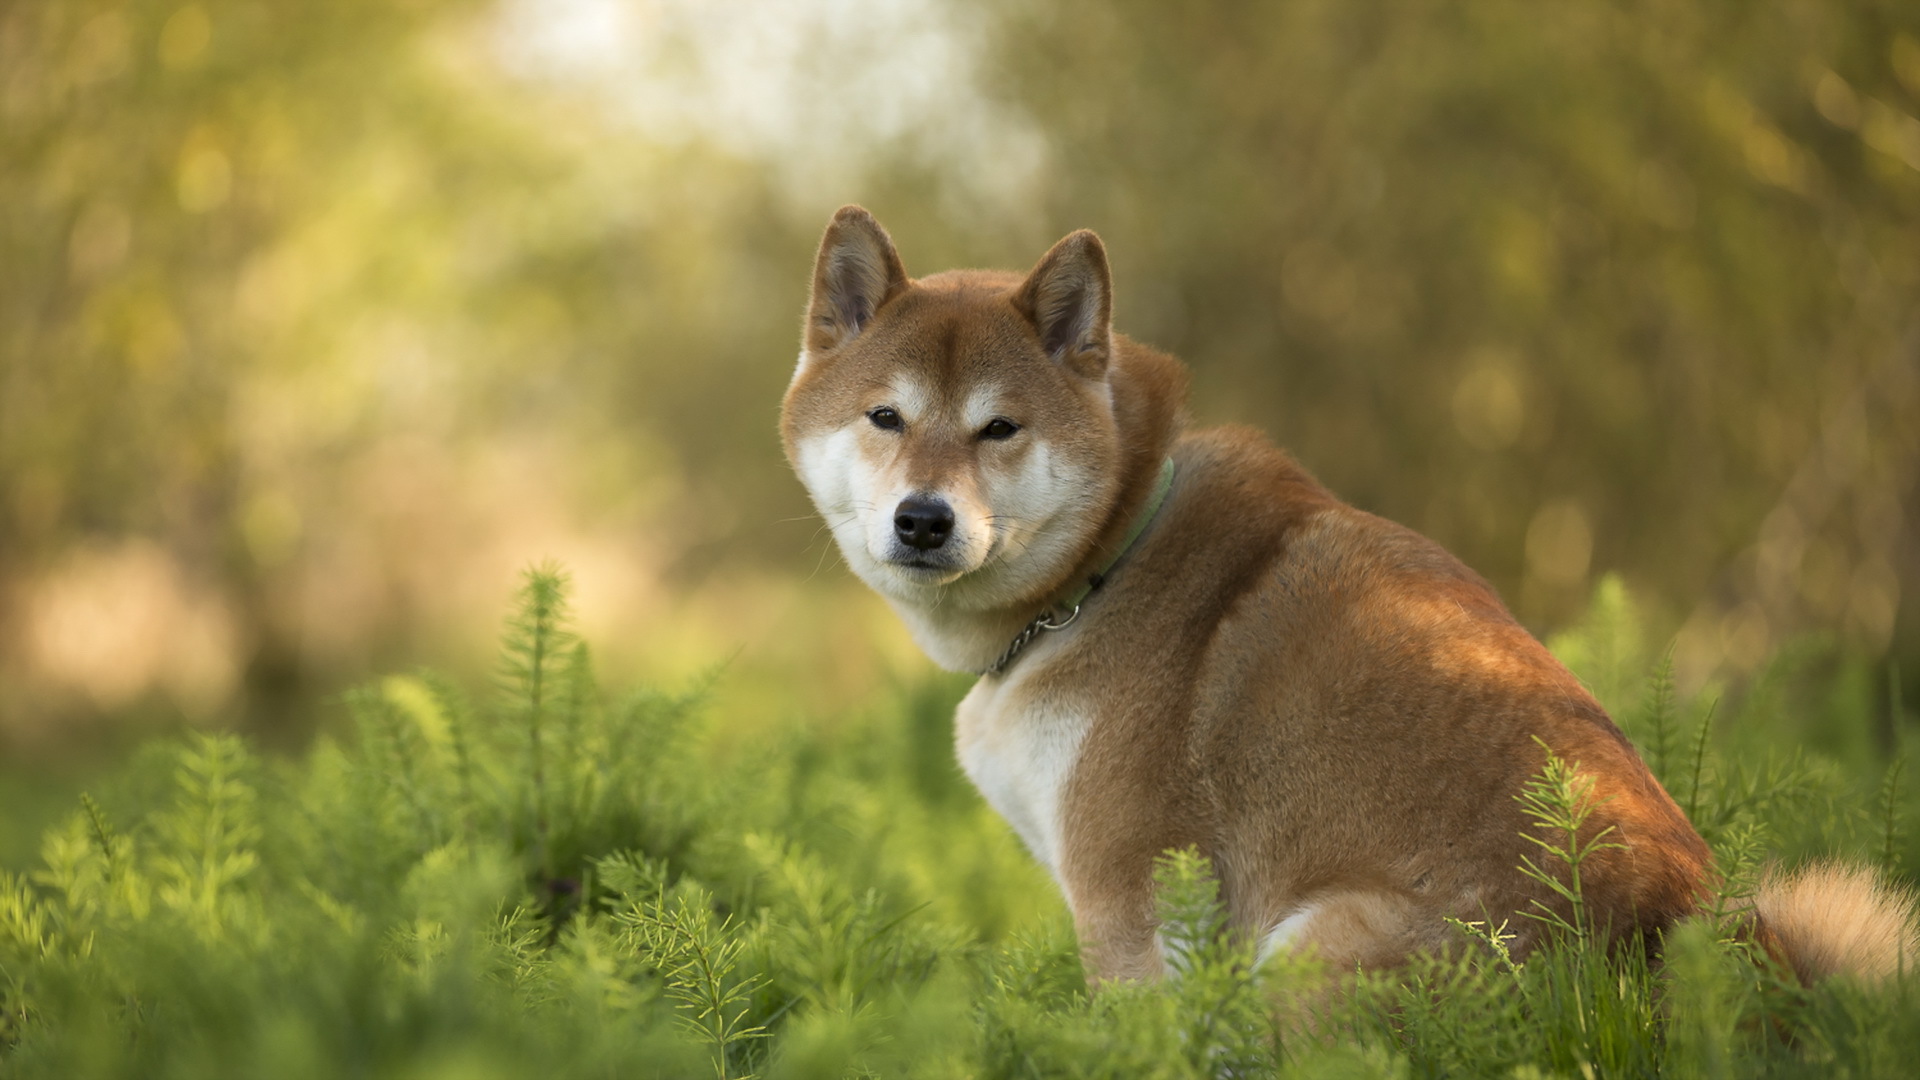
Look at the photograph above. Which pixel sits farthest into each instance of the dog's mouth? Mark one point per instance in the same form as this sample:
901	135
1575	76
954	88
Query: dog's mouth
919	564
923	567
941	564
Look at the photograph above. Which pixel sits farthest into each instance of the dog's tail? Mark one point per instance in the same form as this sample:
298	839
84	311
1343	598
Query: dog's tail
1832	918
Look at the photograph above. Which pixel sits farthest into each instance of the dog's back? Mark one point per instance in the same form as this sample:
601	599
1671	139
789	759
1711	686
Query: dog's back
1339	714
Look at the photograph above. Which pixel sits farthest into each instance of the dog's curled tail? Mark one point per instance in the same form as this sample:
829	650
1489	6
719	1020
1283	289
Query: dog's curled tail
1832	918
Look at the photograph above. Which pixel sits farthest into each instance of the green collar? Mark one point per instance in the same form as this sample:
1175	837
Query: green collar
1071	604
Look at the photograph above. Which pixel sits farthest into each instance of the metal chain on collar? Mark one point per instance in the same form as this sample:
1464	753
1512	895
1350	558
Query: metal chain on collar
1044	621
1040	625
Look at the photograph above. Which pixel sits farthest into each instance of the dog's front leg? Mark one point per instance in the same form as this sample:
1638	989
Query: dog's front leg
1110	890
1118	942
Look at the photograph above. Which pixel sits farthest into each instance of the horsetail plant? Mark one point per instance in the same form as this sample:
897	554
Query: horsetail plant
568	884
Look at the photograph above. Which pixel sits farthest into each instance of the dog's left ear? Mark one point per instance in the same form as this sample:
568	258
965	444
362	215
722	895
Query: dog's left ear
857	271
1069	300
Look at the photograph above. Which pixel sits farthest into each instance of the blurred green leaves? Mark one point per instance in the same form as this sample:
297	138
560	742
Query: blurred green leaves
310	309
1652	274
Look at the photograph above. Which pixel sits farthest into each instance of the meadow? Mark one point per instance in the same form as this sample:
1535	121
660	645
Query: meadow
321	319
544	877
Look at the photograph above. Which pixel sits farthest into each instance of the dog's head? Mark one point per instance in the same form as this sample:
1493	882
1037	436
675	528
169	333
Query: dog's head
957	432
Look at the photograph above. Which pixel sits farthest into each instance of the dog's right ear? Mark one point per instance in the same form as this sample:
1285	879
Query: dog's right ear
857	271
1069	298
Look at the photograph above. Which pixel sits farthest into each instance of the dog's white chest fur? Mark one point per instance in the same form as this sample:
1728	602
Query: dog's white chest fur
1020	753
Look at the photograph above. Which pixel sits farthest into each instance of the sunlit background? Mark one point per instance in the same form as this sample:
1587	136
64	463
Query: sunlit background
320	319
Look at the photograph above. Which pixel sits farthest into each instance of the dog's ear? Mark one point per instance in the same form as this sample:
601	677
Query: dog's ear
857	271
1069	300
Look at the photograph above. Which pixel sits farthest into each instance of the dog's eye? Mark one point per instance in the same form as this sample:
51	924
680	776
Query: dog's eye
999	428
885	418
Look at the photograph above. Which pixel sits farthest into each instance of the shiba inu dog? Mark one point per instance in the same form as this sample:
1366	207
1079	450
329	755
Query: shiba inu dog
1183	639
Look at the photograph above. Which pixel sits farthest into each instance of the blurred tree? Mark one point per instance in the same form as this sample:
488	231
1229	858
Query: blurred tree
336	309
190	202
1596	286
250	246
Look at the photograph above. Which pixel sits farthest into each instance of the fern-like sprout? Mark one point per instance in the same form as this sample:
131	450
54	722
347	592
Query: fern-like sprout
696	959
581	690
536	640
1660	695
23	924
1891	831
1699	763
25	938
1497	939
1560	801
453	706
207	838
1227	1025
381	723
1188	898
1739	856
102	832
1890	783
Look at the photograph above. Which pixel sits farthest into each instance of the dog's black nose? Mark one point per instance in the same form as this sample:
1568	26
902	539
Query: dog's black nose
923	522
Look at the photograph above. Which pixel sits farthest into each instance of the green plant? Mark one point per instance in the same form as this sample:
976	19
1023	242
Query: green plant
415	896
1560	801
697	958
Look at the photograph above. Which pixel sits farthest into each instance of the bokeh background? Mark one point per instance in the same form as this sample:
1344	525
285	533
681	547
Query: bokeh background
320	319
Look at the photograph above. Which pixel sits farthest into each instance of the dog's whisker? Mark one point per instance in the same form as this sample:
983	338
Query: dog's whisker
830	549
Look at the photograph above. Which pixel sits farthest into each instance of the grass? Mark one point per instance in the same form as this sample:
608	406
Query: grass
543	879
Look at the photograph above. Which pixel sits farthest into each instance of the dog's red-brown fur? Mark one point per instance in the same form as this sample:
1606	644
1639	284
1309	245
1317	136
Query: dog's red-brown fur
1330	707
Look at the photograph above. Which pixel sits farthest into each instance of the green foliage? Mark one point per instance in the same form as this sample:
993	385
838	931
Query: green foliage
563	883
320	290
1560	800
1225	1021
696	958
1893	828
